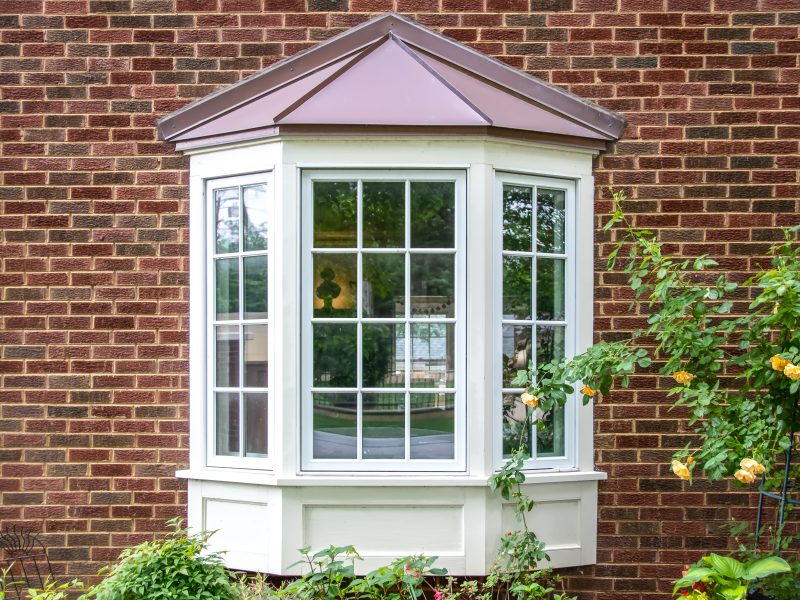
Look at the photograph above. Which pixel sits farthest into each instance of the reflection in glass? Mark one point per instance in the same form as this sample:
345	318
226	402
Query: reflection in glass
433	209
227	292
383	365
255	216
335	434
549	343
550	433
255	432
335	285
334	362
227	423
517	287
432	355
384	210
432	426
550	289
432	285
515	431
384	285
383	425
516	351
335	211
255	287
226	222
517	217
227	357
550	218
255	356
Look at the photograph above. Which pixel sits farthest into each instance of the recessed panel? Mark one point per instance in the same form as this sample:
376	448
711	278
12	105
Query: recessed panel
556	522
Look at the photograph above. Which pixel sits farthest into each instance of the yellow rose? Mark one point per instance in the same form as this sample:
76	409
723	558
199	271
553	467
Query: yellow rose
752	465
683	377
744	476
792	371
529	399
680	469
587	391
778	363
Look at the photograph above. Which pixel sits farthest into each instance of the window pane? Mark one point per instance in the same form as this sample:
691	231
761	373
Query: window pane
255	287
335	285
383	426
255	356
384	205
549	343
334	355
433	209
550	217
227	292
550	434
432	285
516	433
433	426
227	356
383	355
517	217
226	205
432	355
255	433
516	351
335	210
335	425
384	285
550	289
517	287
255	216
227	420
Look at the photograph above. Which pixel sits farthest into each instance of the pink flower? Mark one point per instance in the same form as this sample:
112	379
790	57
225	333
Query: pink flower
438	595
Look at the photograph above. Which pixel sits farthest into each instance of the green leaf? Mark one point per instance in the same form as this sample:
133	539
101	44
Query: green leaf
766	567
726	566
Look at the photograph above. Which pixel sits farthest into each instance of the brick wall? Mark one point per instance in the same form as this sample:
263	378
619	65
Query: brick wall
93	253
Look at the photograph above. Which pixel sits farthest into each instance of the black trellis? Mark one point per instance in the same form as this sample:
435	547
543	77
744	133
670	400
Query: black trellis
782	498
25	560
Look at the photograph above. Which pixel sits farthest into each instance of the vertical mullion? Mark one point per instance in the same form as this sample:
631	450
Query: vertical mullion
240	291
359	328
534	306
407	277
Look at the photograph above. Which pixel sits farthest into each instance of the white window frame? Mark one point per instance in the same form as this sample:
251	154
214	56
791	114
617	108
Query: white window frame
572	306
212	458
390	466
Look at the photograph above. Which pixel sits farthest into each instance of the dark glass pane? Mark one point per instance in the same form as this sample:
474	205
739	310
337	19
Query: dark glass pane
383	426
335	285
227	423
433	214
517	217
255	217
550	434
335	434
227	292
255	356
550	289
255	433
432	355
227	356
432	285
516	351
226	224
549	343
384	285
383	355
516	432
517	303
334	355
433	426
550	218
255	287
384	205
335	210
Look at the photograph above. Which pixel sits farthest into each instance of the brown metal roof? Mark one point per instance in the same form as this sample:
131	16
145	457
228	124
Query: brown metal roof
391	74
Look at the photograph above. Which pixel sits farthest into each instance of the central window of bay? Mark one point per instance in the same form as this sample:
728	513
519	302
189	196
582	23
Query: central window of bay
383	309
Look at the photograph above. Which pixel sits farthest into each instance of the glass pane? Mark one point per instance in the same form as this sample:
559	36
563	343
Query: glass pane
549	343
433	210
334	355
227	292
335	211
517	217
255	432
384	285
255	356
433	426
255	216
227	356
550	434
383	425
432	285
550	289
516	351
517	287
550	218
335	285
384	206
255	287
516	433
383	355
432	355
226	203
227	420
335	433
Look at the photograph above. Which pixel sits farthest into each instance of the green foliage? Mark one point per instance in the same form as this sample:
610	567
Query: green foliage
501	585
53	590
331	572
716	577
